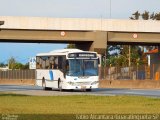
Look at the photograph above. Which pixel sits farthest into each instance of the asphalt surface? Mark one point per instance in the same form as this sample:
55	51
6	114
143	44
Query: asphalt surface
38	91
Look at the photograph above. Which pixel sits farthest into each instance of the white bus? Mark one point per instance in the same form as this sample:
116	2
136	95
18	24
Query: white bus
67	69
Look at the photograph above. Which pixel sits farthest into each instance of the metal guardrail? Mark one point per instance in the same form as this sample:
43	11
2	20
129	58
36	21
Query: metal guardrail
17	74
142	72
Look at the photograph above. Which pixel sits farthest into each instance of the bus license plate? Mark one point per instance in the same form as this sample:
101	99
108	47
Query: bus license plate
83	87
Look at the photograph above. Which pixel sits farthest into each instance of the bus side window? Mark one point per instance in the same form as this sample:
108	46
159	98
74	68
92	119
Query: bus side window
51	62
60	62
38	65
47	63
56	63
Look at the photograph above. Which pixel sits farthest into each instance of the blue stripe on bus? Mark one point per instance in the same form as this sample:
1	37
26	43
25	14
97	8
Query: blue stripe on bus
51	75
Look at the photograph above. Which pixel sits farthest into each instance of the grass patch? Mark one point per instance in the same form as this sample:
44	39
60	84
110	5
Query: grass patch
77	104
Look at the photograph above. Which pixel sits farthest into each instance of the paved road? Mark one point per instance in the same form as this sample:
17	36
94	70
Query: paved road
34	90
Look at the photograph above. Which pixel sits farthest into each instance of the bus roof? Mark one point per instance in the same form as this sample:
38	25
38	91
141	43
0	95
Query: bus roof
61	52
66	51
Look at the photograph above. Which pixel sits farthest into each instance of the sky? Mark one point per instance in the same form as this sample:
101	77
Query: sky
107	9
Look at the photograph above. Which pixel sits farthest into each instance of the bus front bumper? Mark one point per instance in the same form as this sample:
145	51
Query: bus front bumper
79	87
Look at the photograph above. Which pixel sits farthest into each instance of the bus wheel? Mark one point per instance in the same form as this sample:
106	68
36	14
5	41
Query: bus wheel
59	85
88	90
44	85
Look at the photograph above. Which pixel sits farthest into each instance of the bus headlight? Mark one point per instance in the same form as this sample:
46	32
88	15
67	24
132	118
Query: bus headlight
95	82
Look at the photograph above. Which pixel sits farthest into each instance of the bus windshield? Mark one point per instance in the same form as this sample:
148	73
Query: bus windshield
83	67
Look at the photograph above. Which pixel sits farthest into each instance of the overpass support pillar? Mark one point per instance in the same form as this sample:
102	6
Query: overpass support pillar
94	41
99	44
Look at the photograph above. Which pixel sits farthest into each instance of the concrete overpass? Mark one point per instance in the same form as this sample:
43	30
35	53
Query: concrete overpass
87	34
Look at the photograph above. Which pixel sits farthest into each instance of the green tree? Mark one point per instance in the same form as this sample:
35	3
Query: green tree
26	66
70	46
145	15
13	64
152	16
121	58
122	61
18	66
2	65
124	56
136	55
112	54
135	16
157	16
112	61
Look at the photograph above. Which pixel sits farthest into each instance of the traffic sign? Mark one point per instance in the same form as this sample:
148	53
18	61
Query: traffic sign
135	35
63	33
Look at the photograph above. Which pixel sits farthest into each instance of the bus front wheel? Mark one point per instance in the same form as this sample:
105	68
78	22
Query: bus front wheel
88	90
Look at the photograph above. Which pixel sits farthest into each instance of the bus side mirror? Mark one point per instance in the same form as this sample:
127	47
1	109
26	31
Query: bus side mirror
65	68
67	63
98	61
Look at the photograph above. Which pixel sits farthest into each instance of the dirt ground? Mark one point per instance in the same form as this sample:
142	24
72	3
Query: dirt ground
140	84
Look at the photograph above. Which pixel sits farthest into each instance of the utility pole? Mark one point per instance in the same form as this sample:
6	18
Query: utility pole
129	63
1	23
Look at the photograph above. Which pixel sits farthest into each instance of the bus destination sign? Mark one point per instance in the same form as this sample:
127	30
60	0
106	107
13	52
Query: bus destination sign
82	55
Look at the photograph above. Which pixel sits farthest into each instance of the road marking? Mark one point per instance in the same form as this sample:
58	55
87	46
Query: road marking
134	93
